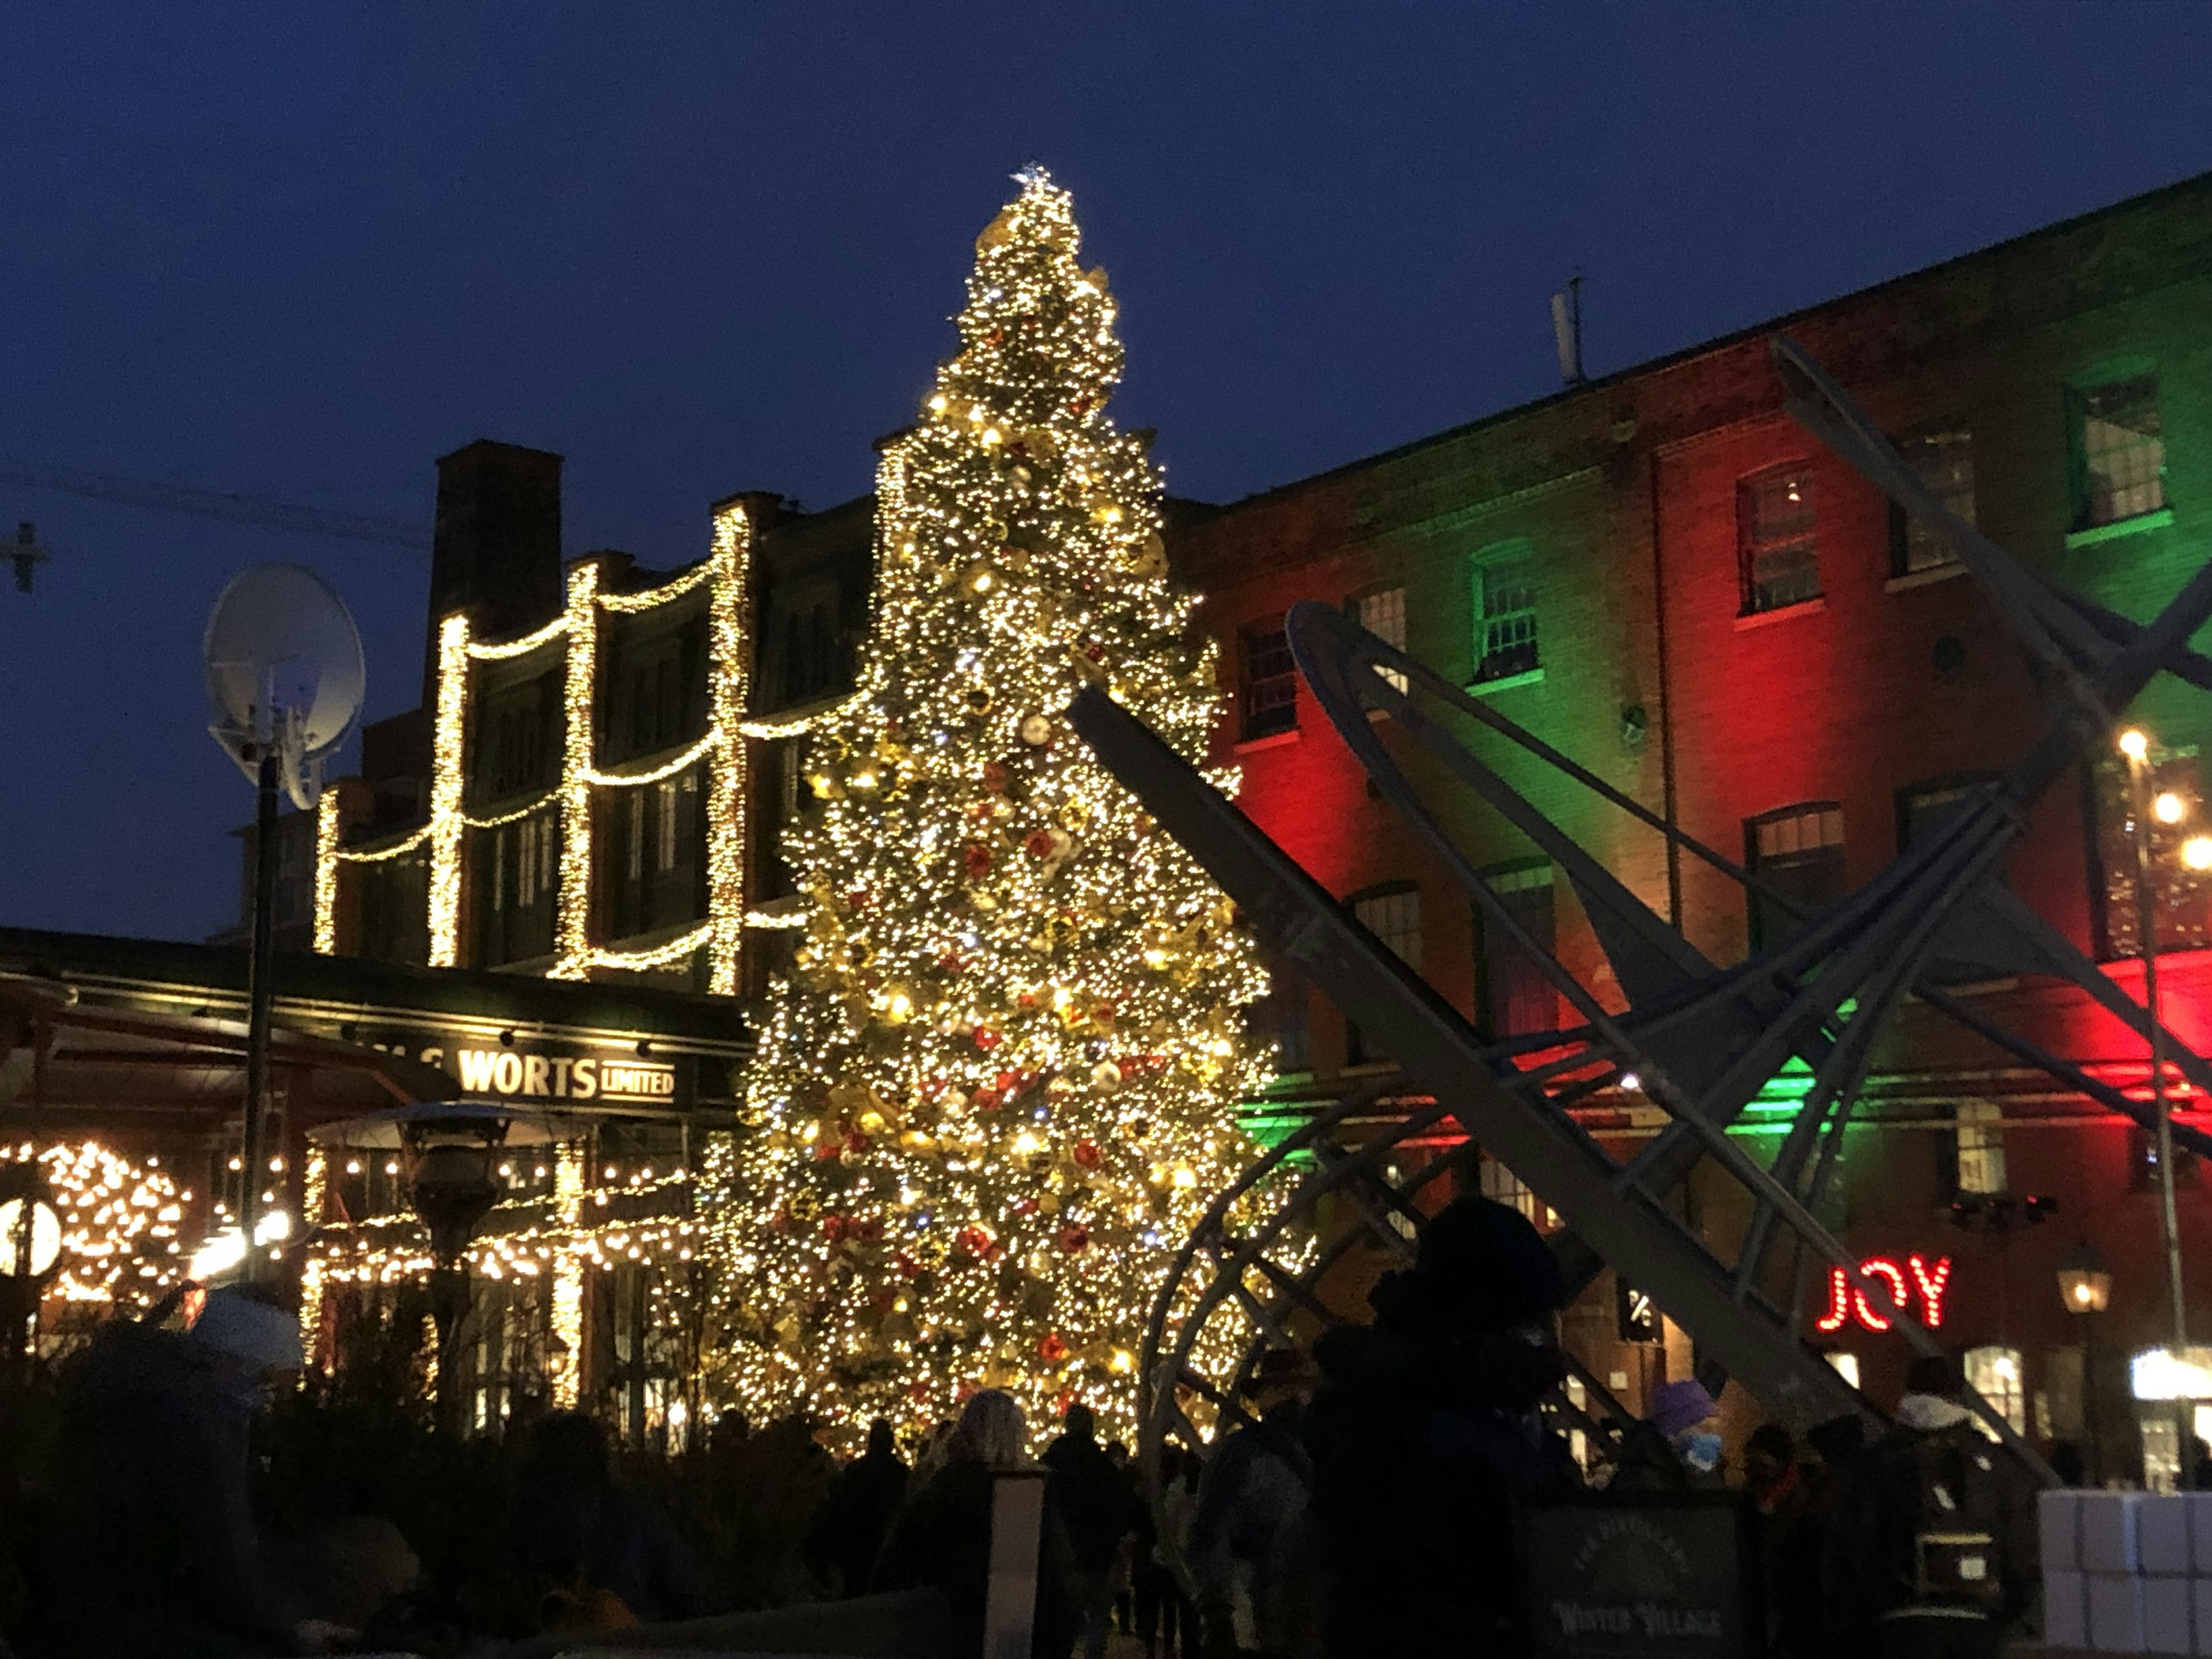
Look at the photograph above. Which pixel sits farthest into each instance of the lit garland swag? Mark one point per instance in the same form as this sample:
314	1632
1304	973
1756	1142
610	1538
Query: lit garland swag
1000	1091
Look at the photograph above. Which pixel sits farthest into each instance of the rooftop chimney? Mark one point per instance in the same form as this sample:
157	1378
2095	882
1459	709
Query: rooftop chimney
496	550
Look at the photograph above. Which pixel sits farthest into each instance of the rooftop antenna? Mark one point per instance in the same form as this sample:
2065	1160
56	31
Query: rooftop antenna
285	676
27	555
1567	331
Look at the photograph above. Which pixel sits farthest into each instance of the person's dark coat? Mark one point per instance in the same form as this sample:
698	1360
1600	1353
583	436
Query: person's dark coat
1094	1499
850	1528
1424	1439
942	1541
153	1549
575	1528
1250	1512
1868	1567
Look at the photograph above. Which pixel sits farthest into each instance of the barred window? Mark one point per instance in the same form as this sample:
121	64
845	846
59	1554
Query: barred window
1943	461
1517	997
2119	451
1394	918
1775	540
1501	1186
1981	1147
1393	915
1270	681
1383	615
1505	615
1995	1374
1798	852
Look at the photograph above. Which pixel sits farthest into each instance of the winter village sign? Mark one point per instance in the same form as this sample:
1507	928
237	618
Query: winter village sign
1656	1576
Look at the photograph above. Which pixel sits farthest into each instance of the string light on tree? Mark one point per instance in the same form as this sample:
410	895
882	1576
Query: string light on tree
1000	1088
118	1222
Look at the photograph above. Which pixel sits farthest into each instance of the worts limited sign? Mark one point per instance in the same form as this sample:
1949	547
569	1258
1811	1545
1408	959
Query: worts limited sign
536	1073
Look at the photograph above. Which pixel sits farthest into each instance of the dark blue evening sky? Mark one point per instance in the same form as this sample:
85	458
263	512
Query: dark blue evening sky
301	250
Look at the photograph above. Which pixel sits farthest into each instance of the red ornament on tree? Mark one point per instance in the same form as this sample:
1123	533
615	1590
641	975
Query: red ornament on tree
1006	1082
987	1039
1038	844
833	1227
995	777
986	1100
1073	1237
1051	1349
976	859
1086	1154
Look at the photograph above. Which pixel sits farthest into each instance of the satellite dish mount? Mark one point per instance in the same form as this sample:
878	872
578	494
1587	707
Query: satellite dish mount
285	676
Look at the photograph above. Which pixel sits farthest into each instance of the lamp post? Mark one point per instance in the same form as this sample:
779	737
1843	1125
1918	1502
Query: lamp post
2085	1286
2169	808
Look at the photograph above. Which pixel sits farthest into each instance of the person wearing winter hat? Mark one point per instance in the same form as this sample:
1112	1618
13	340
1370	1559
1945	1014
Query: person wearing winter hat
1675	1448
251	1345
1423	1436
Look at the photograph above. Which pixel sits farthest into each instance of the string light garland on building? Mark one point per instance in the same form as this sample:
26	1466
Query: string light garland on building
720	750
119	1218
1001	1087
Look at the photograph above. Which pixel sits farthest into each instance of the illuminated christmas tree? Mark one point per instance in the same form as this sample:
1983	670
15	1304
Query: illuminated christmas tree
1001	1087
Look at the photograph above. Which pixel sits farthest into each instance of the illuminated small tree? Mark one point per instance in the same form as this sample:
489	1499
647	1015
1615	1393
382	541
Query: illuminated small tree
1001	1088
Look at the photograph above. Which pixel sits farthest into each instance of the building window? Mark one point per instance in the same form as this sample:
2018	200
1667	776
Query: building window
1798	853
1501	1186
668	817
2118	451
1517	996
1383	615
2180	897
651	874
1981	1147
812	663
1943	461
1776	541
1923	808
1505	615
1271	682
2142	1159
1996	1375
513	877
1393	915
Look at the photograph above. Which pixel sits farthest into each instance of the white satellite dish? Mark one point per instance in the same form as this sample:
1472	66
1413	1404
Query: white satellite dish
285	672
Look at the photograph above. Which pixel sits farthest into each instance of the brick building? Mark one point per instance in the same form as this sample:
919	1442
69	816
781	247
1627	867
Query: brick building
1659	573
1663	575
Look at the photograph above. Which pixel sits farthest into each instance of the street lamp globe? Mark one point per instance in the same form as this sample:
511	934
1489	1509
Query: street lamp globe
2169	808
2196	852
2133	743
2085	1279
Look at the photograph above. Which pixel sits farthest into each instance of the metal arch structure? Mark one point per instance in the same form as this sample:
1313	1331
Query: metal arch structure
1696	1039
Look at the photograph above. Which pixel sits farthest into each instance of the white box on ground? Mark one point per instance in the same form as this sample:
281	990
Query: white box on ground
2065	1610
2108	1531
2166	1614
2116	1618
2058	1530
2162	1532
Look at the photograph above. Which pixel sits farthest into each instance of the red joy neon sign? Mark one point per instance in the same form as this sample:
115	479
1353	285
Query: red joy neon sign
1846	1301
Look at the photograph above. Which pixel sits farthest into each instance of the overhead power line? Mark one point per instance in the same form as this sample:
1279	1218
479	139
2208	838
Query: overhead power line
214	504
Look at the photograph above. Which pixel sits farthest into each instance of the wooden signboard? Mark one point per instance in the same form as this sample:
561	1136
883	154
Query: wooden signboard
1643	1576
